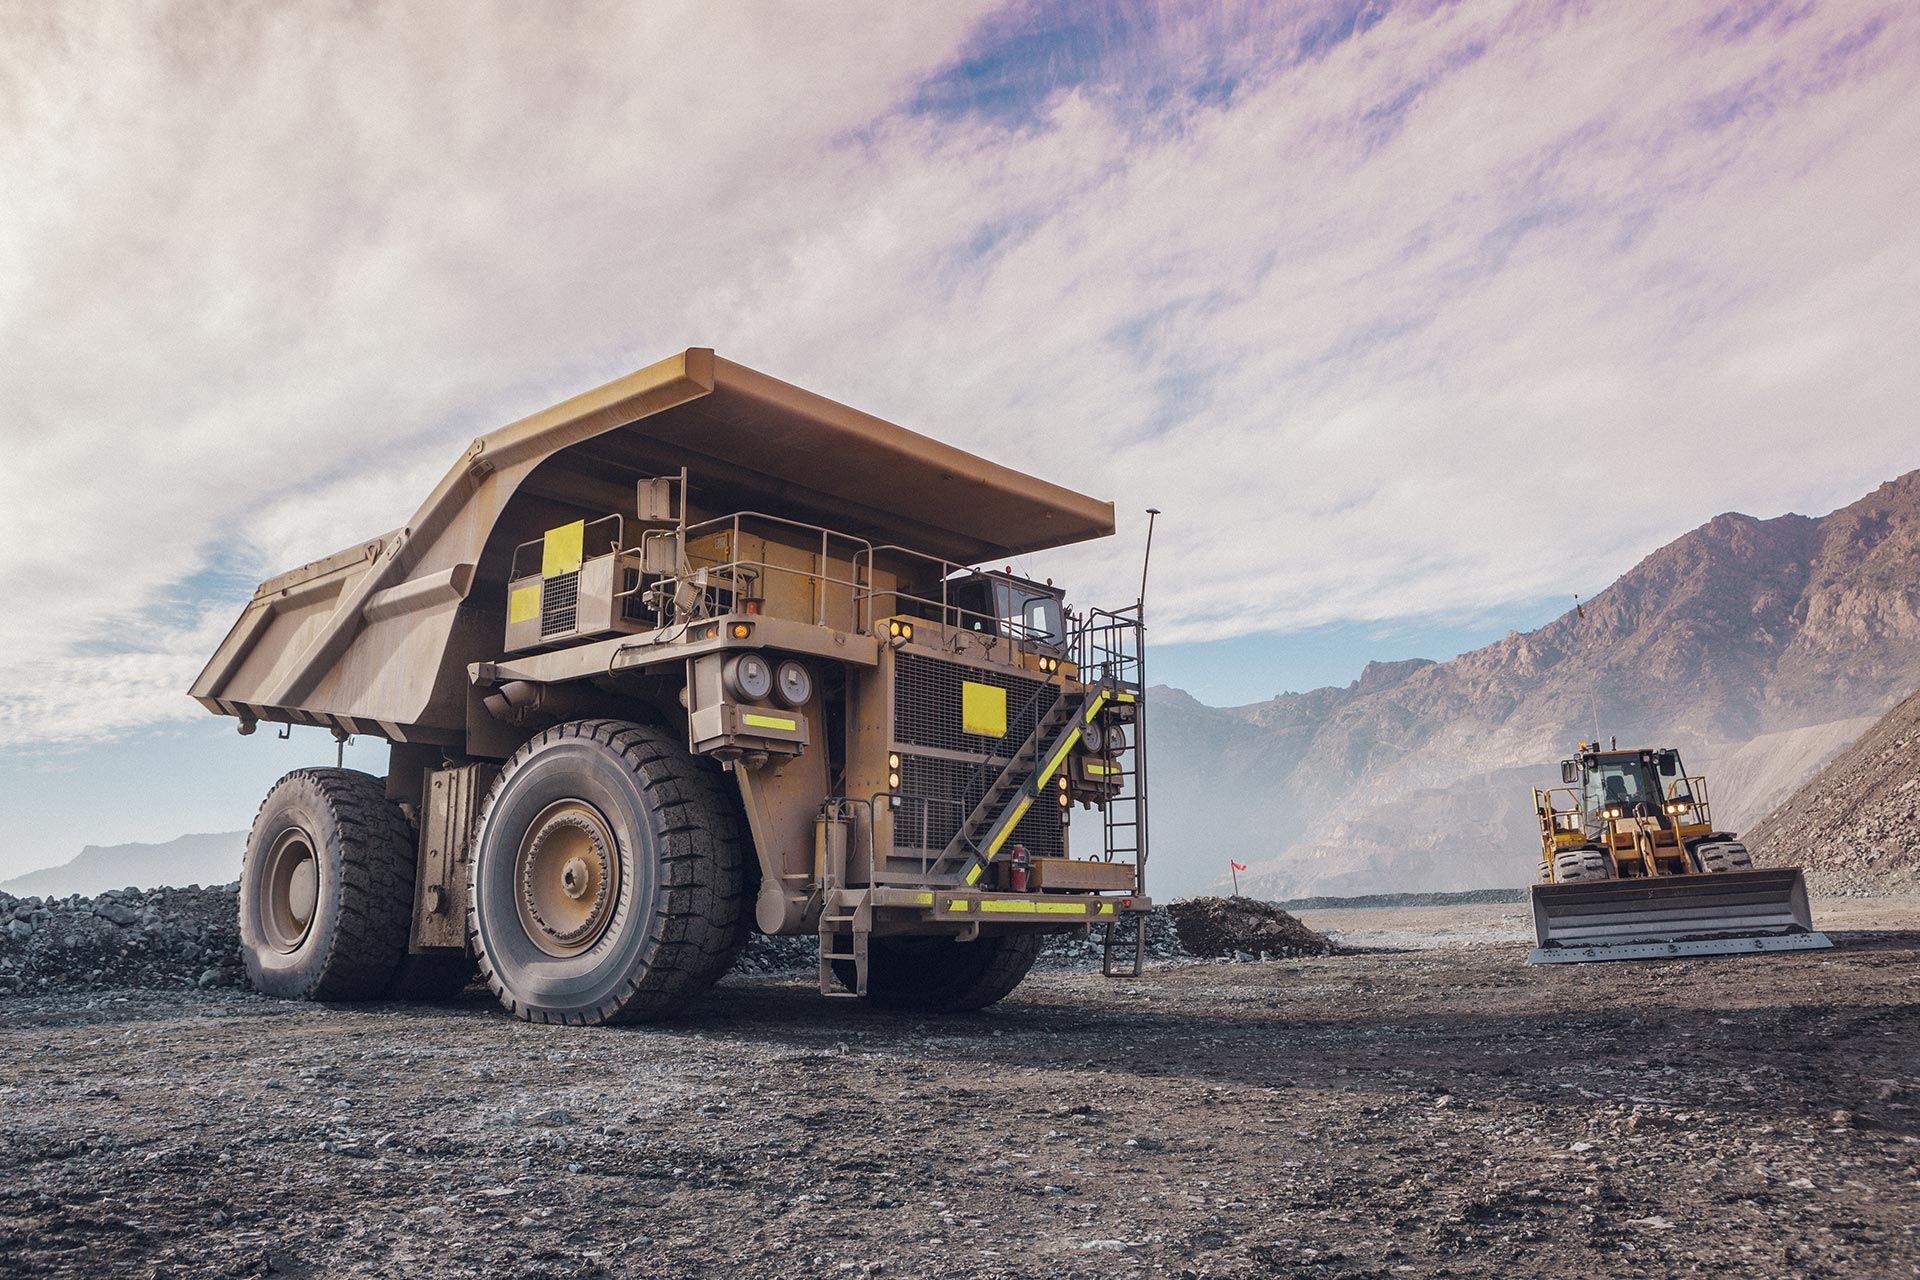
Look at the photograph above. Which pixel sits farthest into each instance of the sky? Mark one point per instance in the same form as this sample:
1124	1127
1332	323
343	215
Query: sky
1413	319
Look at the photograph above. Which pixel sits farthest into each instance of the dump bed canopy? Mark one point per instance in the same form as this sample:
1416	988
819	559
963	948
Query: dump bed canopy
375	639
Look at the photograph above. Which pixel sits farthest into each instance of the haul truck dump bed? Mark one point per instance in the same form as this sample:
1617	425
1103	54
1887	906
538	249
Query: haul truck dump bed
695	652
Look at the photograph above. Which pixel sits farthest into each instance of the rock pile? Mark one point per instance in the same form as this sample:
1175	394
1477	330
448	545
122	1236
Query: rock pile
156	938
1855	828
1237	927
167	939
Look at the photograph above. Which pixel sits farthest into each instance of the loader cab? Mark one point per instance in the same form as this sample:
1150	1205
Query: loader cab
1629	784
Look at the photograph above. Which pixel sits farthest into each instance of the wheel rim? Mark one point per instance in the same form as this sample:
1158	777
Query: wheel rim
290	889
567	874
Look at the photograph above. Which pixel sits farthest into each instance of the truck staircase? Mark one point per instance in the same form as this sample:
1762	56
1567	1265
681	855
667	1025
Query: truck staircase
1025	780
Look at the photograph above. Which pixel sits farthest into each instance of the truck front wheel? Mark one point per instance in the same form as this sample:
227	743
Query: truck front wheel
942	975
610	877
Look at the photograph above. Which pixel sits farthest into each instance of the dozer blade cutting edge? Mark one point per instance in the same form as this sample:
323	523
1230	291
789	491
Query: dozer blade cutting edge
1667	916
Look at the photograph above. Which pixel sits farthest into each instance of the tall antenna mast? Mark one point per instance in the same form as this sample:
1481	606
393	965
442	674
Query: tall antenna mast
1146	558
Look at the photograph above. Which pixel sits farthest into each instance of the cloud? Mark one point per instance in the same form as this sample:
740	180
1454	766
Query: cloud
1394	310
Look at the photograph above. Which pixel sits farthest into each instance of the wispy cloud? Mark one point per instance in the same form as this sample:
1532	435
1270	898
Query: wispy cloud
1395	310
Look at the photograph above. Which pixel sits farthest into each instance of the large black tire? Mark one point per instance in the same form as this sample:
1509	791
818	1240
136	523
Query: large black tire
1721	853
1582	866
942	975
326	889
656	839
430	979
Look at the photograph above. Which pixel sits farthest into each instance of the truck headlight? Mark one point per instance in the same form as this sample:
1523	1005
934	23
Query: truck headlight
748	677
794	683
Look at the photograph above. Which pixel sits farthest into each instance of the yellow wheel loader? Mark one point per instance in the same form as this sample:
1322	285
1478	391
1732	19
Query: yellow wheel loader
1632	868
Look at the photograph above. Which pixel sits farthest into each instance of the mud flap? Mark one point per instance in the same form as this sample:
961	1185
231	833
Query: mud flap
1699	915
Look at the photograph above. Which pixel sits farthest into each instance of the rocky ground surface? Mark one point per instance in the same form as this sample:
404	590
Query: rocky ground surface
1855	827
1447	1112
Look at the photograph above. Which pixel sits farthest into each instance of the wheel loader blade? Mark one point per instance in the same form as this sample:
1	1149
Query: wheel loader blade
1698	915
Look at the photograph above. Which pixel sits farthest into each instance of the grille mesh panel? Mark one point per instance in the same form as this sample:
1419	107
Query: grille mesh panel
559	603
926	705
937	794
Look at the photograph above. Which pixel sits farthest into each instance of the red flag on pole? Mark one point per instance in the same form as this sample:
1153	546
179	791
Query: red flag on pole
1235	869
1237	866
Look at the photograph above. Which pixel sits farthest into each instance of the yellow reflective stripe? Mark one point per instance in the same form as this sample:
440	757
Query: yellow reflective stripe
1046	774
1094	766
922	899
759	721
1006	828
1123	697
959	904
523	603
1018	906
973	874
1093	708
562	550
1106	909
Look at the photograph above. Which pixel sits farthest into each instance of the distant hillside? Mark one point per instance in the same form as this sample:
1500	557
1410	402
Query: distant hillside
1856	827
198	859
1758	647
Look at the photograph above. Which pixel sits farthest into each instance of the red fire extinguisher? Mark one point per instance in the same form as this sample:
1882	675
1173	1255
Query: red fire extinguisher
1017	869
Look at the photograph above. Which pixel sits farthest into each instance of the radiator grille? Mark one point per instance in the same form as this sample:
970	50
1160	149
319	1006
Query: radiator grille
938	793
559	603
935	796
926	705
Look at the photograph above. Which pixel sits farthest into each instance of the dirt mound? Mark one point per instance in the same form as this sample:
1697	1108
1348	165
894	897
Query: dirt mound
154	938
1233	926
1855	828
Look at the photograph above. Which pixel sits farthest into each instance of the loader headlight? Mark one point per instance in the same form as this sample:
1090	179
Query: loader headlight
893	782
1609	813
893	760
1675	808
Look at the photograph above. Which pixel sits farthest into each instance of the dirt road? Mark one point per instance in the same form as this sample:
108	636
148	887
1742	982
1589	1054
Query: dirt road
1447	1112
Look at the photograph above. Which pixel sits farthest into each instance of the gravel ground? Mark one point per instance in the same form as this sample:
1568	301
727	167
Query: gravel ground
1448	1112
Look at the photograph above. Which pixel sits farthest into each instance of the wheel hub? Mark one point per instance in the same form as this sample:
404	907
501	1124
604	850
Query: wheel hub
568	874
290	890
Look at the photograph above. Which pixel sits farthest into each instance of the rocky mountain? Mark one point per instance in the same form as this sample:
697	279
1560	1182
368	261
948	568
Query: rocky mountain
1855	827
187	860
1759	647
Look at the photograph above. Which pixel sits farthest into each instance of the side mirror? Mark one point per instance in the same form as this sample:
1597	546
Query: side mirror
1668	762
1569	771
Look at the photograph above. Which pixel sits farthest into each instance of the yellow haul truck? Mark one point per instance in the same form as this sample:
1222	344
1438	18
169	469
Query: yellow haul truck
1631	867
695	653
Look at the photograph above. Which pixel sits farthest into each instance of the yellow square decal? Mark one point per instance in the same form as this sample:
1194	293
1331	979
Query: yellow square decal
523	603
983	709
562	549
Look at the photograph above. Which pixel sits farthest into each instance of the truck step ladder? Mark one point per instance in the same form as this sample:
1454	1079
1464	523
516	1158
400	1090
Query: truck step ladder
846	921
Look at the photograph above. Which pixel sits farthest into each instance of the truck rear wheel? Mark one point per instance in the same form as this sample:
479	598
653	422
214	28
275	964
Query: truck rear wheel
943	975
610	876
326	888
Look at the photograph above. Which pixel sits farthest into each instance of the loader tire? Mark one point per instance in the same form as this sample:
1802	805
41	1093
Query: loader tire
326	888
1716	856
611	879
942	975
1580	866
